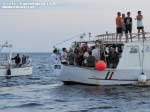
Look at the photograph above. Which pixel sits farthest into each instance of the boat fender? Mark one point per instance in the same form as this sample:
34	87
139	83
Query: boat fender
142	78
101	65
8	72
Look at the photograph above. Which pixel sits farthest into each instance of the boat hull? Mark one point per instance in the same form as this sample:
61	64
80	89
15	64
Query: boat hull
81	75
16	71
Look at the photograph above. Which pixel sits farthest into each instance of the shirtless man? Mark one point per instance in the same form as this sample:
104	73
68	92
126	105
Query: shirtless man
119	26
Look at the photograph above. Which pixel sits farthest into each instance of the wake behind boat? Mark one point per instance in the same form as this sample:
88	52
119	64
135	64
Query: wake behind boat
8	68
132	66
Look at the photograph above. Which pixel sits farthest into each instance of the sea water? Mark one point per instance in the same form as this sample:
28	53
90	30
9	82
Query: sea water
43	92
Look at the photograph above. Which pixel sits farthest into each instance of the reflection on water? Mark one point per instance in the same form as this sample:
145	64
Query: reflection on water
42	92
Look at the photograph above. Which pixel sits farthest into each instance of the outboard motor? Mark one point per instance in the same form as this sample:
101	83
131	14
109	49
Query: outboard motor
8	73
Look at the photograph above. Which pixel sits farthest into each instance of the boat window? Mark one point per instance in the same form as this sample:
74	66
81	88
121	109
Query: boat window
147	48
134	49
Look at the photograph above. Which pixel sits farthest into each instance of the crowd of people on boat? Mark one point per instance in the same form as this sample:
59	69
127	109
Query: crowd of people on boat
25	60
87	56
84	55
124	25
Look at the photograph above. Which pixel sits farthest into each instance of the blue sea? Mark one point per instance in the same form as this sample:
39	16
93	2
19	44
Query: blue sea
43	92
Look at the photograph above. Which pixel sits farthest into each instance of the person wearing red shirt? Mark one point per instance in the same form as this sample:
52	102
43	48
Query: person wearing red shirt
119	26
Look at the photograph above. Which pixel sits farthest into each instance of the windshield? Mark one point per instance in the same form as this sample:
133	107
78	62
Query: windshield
4	56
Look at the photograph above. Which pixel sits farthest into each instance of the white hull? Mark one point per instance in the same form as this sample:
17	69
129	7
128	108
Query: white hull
73	74
16	71
56	69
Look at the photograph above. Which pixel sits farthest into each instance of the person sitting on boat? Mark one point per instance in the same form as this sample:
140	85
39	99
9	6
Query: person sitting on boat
24	59
28	60
90	60
113	58
71	57
17	60
64	56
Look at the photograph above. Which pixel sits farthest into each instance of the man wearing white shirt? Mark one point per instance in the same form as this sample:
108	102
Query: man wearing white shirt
28	60
55	59
96	53
64	56
85	55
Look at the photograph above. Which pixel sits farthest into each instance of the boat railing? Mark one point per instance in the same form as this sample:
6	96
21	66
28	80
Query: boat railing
112	37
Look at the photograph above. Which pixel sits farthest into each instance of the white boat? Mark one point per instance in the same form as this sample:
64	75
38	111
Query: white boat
133	66
8	68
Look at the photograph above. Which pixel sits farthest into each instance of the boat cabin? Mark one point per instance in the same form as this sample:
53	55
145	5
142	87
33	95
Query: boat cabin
117	54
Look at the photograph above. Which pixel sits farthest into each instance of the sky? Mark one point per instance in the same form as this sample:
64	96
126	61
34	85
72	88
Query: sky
40	28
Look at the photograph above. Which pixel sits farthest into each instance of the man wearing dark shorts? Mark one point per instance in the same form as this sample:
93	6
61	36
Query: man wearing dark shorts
128	26
118	26
140	26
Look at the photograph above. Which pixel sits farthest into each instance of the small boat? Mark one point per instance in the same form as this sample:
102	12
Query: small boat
133	66
7	67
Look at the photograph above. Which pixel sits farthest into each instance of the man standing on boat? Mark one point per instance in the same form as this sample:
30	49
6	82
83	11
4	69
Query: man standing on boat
54	59
128	26
17	60
96	52
119	26
64	56
140	26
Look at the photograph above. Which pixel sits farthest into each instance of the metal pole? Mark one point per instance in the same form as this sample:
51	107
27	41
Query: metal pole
143	58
